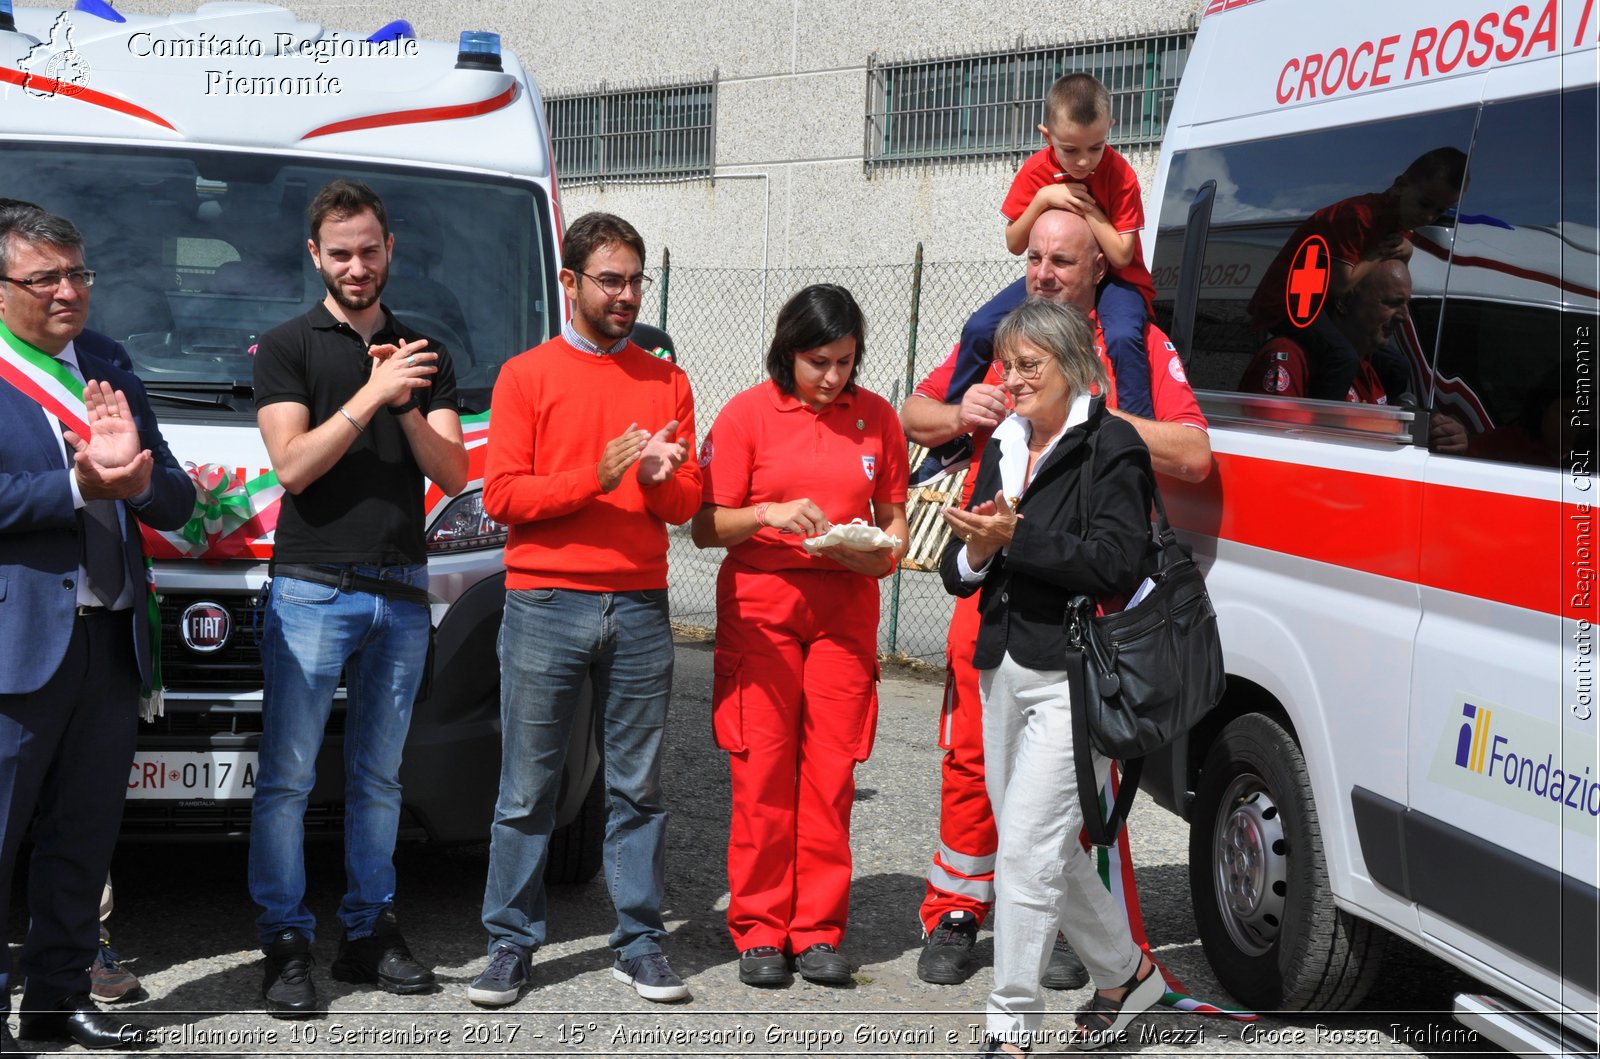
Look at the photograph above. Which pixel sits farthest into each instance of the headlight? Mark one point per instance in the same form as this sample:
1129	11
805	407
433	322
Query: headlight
464	527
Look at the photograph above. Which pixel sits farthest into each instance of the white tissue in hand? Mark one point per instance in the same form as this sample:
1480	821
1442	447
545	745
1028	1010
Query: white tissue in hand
860	534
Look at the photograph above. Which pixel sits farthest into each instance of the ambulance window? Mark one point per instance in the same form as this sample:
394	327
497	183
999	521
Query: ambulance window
199	254
1521	286
1283	208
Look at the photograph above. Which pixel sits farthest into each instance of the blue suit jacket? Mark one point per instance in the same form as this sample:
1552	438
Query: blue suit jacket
39	530
103	346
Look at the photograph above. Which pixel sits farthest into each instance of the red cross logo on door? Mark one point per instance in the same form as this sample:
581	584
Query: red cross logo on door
1307	287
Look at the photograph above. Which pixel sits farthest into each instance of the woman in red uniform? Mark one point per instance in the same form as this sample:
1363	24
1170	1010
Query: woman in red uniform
795	701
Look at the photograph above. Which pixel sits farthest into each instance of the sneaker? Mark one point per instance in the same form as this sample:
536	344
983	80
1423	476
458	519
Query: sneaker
944	460
287	988
948	949
651	976
383	959
763	965
1065	970
823	964
503	981
109	981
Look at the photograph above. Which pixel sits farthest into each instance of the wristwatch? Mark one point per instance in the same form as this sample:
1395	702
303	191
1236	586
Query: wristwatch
400	410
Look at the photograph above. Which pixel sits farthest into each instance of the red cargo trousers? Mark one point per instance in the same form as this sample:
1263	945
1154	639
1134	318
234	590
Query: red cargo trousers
795	705
962	874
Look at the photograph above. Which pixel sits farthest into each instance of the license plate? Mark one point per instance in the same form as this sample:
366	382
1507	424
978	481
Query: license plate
217	774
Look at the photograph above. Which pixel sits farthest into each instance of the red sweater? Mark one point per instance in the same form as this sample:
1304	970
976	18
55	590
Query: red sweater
555	409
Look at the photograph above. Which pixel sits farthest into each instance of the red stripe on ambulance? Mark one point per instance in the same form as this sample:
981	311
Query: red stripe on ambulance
1245	498
66	90
415	117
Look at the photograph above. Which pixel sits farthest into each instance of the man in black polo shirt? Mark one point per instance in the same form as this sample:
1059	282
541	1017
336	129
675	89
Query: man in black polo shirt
356	410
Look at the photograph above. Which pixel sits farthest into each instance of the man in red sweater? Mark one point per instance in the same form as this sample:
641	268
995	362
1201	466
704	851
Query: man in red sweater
586	467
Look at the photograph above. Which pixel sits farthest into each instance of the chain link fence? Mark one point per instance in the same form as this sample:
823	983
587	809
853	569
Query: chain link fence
721	321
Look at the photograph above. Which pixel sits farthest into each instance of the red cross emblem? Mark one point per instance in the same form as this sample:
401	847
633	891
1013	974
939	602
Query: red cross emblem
1308	281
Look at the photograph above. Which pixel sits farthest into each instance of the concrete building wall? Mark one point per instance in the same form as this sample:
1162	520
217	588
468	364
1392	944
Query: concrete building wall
790	190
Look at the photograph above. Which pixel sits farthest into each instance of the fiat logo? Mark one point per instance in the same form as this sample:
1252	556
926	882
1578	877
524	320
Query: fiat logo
205	627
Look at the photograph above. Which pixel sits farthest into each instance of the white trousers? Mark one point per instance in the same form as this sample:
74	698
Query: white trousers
1043	879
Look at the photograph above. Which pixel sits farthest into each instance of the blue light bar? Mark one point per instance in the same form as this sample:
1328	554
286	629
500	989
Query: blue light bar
399	29
480	49
7	21
99	9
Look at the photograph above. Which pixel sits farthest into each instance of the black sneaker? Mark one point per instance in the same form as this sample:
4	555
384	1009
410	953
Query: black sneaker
763	965
944	460
823	964
948	949
1065	970
286	988
651	976
503	981
382	958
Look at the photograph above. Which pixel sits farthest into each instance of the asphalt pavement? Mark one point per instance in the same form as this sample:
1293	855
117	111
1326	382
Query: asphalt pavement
185	918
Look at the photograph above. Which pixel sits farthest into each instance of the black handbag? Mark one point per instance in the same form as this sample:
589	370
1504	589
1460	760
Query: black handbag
1144	676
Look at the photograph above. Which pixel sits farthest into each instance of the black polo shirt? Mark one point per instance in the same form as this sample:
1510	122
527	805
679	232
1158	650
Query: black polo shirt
368	507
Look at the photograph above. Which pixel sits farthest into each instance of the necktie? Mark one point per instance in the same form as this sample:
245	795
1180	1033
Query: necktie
102	549
100	544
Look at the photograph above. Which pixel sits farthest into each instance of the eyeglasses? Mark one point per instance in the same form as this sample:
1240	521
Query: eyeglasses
1026	367
80	278
614	285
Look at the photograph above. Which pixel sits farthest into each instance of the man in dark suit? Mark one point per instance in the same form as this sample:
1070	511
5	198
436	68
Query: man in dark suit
110	979
74	643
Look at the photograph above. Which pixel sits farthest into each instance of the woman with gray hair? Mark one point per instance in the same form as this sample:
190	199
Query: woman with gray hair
1027	546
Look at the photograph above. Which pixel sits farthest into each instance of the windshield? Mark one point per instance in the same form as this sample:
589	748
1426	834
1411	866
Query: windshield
198	253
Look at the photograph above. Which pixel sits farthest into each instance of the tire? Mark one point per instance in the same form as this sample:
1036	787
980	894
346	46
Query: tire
1265	911
575	850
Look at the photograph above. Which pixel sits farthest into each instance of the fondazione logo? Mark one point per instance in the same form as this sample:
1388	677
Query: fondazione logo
1520	762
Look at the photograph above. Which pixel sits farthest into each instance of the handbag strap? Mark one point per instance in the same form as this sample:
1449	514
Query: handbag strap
1102	831
1162	533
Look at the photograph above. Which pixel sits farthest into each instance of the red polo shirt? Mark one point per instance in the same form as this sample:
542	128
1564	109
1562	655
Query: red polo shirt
1115	189
768	446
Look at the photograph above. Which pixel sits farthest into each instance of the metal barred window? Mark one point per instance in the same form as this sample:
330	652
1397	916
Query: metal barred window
990	105
634	133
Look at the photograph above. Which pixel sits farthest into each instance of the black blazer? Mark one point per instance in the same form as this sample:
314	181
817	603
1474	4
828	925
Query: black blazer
1052	557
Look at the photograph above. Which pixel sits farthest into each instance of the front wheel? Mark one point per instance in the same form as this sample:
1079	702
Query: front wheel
1259	883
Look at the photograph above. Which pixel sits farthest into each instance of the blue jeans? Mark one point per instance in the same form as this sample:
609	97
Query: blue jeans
553	641
312	633
1122	319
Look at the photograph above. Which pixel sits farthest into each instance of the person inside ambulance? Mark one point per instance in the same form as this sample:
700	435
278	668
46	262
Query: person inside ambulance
808	453
1537	432
1368	317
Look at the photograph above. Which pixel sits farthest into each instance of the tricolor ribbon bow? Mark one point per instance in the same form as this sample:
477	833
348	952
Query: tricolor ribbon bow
221	505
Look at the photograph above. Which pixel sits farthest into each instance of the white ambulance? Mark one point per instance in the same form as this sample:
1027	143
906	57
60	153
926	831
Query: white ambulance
187	147
1408	743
